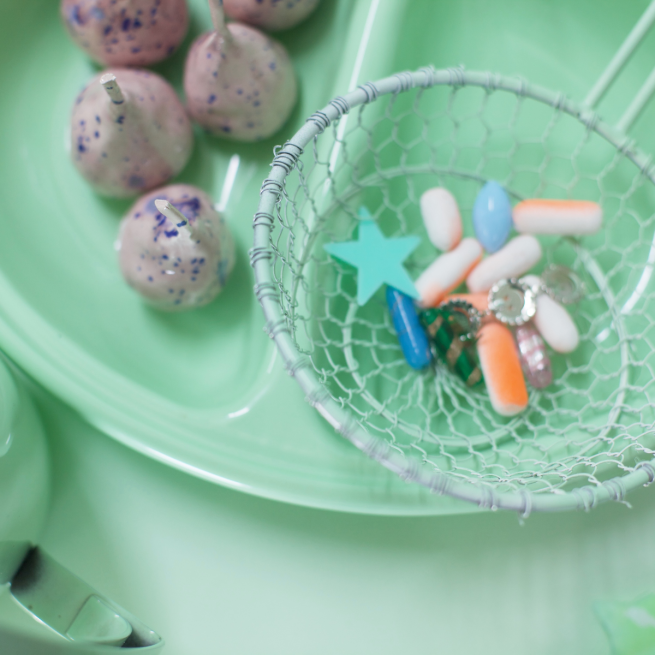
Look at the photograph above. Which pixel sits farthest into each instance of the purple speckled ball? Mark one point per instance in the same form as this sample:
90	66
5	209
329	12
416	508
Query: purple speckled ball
176	267
241	86
126	32
270	15
123	150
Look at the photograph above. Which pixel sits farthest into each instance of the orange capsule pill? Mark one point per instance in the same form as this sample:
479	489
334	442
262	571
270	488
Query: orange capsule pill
501	369
574	217
447	272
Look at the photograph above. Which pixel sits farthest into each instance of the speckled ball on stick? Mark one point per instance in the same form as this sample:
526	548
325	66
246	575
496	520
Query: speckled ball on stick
126	32
175	249
129	132
239	83
270	15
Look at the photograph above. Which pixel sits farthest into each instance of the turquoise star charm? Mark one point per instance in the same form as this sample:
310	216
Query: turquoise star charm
629	626
378	260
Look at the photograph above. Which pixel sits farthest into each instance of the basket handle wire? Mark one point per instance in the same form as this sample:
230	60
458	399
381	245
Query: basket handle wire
616	66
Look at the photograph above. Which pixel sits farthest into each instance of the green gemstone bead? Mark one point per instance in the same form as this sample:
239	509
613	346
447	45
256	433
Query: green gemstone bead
459	355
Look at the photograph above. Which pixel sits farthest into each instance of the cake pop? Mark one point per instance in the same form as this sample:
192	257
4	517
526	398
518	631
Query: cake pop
239	83
126	32
270	15
129	132
175	249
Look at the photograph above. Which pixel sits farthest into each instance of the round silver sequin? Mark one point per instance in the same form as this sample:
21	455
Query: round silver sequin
463	317
562	284
512	302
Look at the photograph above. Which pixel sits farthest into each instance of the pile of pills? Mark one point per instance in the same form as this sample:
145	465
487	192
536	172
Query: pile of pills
496	331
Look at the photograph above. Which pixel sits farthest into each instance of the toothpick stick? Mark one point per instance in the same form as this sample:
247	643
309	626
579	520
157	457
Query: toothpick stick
218	19
173	214
110	84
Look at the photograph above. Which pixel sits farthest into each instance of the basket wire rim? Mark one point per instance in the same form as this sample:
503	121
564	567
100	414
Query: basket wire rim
299	366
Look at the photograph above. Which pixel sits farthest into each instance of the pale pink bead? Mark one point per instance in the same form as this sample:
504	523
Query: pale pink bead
534	359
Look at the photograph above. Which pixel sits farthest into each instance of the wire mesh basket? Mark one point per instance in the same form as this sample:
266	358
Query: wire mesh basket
587	438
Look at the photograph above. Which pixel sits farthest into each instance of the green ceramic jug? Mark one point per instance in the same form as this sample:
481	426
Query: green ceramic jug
34	589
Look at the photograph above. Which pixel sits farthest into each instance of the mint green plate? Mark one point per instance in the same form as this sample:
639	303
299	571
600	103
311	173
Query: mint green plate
204	391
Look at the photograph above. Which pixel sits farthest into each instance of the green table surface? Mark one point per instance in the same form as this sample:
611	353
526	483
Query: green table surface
217	571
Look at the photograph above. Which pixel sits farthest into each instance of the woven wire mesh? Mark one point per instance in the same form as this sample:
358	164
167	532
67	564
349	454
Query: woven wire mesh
596	423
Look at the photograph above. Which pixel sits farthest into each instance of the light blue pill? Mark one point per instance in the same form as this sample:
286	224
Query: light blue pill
492	216
411	335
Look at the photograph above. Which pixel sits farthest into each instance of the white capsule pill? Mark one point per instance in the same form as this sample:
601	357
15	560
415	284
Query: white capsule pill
447	272
441	218
512	260
553	322
557	217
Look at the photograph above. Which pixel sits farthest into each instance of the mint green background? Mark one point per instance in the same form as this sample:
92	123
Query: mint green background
213	570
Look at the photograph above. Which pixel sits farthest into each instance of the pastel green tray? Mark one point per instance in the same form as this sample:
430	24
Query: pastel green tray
204	391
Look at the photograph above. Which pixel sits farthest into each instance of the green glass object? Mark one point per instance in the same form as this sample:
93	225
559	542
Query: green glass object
68	605
630	626
445	329
24	465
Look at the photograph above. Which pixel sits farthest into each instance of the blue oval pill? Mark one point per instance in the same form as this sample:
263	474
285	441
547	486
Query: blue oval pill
411	335
492	216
